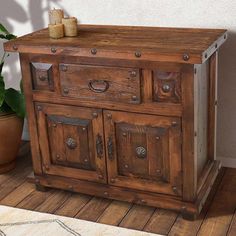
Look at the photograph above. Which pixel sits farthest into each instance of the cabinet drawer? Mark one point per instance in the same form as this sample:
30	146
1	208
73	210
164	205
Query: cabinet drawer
100	83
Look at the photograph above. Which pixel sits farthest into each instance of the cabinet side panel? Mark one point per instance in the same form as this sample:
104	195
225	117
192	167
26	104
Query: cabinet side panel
189	161
212	119
27	85
201	94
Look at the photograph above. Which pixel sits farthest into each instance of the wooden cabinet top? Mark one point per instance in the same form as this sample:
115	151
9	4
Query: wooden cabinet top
183	45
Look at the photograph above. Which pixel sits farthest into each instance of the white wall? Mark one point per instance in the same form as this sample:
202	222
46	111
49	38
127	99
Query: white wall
24	16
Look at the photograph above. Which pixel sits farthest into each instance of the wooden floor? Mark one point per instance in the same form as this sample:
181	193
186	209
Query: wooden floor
217	218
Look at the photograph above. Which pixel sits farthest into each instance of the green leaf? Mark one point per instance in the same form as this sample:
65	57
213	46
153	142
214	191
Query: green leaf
2	36
5	108
3	29
1	66
10	36
21	86
16	101
2	91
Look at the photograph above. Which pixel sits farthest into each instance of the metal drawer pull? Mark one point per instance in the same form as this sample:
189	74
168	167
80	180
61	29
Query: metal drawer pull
71	143
110	148
99	146
98	86
141	152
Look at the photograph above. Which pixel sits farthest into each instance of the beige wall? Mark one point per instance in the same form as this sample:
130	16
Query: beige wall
23	16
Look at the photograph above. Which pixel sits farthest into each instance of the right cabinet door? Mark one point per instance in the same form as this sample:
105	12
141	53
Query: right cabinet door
144	152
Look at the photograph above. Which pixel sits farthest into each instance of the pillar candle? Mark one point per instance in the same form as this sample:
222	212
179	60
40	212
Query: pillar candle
70	26
55	16
56	31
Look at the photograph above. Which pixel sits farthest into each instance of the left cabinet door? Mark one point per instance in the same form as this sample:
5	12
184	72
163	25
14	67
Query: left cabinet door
71	142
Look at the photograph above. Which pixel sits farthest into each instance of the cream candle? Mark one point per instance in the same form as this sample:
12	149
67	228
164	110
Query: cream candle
55	16
56	31
70	26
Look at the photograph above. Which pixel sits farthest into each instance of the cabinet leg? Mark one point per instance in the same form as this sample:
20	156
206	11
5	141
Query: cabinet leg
189	216
41	188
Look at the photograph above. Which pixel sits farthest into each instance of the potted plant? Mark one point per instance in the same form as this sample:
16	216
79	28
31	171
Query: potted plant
12	113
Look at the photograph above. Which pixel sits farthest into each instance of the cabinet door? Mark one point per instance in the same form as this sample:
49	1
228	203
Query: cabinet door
144	152
71	141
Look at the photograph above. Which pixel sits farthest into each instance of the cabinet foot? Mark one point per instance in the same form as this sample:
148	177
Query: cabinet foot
189	216
41	188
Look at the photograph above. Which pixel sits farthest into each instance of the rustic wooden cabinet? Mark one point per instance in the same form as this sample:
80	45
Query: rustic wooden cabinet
125	113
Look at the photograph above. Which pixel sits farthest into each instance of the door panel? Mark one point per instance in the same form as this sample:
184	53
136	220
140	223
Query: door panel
68	137
145	153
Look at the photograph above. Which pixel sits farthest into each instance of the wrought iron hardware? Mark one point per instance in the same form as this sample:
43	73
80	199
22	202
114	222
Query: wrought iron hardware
98	86
94	51
186	57
53	50
166	88
66	90
15	47
134	98
141	152
138	54
99	146
110	148
71	143
133	73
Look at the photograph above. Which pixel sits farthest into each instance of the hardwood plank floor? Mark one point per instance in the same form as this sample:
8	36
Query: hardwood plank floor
218	217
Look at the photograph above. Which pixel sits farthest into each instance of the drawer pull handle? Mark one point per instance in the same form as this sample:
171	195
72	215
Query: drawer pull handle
98	86
141	152
110	148
99	146
71	143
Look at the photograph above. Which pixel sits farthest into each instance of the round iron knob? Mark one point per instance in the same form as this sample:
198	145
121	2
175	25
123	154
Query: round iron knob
186	57
66	90
94	51
100	176
15	47
138	54
71	143
133	73
166	88
141	152
109	116
39	108
95	114
53	50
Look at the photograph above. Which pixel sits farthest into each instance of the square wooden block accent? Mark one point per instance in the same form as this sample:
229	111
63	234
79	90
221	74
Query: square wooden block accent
166	86
42	76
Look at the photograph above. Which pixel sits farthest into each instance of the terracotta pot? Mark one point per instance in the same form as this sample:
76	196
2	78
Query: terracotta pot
11	128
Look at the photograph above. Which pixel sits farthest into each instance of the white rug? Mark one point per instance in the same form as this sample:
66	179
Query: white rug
18	222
